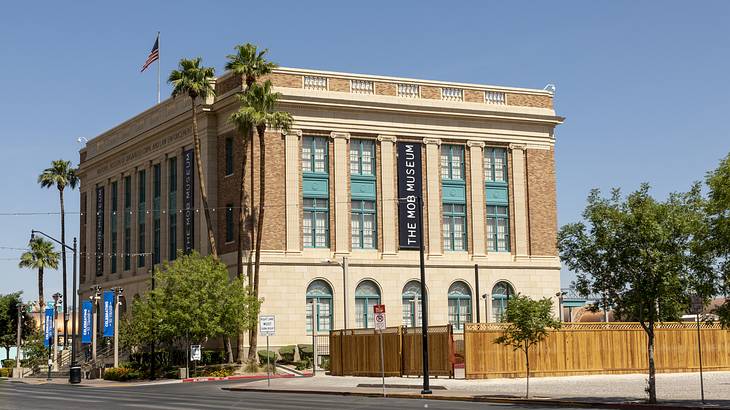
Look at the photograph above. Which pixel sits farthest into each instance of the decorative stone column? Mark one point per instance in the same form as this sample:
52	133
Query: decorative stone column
519	196
433	192
389	193
341	196
293	167
477	198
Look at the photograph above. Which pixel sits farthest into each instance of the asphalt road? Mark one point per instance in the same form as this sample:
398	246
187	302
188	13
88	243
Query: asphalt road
208	395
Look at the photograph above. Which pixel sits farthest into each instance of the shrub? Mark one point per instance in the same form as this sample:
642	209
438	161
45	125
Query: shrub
325	362
120	374
224	372
306	352
8	363
264	354
251	367
303	364
212	357
287	353
6	371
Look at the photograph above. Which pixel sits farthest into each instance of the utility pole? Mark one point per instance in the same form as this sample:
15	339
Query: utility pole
19	337
152	347
74	375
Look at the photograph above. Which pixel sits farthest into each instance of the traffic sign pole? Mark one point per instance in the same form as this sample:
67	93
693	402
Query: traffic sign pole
267	327
379	316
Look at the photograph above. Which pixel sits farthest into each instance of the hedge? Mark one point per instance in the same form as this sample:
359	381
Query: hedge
120	374
263	354
287	353
8	363
306	352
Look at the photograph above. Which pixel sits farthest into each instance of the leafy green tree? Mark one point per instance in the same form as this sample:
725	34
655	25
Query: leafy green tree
41	256
258	108
528	324
196	82
9	321
61	175
646	258
193	301
250	64
718	208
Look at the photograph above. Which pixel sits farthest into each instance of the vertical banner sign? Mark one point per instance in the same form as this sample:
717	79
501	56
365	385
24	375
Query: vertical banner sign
86	322
188	200
409	188
109	313
99	231
48	328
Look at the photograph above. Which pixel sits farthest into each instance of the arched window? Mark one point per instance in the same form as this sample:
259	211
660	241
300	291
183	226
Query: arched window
320	293
367	295
501	293
412	296
459	305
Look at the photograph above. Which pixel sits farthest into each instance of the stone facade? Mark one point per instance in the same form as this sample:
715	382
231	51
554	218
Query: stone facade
523	126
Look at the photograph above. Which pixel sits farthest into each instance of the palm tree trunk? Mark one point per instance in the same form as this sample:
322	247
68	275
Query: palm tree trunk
249	268
63	264
201	181
242	212
260	226
41	302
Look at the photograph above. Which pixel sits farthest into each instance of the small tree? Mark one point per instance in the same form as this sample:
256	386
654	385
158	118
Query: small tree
528	324
9	321
718	208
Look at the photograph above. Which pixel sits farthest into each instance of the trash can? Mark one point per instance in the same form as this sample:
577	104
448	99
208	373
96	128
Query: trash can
74	375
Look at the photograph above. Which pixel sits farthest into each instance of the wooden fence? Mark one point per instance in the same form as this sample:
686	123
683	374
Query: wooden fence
356	352
596	348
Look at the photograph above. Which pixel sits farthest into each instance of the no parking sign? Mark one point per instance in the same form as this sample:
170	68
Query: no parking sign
379	311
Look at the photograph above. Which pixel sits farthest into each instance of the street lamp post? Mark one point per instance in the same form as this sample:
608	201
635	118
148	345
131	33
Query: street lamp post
424	298
94	306
345	267
117	295
57	300
74	370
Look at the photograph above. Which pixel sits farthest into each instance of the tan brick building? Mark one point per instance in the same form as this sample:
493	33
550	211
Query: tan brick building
488	188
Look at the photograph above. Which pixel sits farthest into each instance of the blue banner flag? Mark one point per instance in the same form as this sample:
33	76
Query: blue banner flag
86	321
48	331
108	313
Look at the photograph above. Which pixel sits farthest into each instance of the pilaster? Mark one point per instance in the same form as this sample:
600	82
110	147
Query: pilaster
292	199
477	198
341	198
433	192
520	199
388	194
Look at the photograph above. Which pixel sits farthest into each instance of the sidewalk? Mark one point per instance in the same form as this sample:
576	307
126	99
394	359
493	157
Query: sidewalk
678	389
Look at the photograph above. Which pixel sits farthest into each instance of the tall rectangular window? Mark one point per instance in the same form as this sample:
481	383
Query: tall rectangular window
363	225
172	209
497	199
141	216
229	223
156	202
453	188
362	190
316	223
115	212
497	228
315	176
229	156
127	222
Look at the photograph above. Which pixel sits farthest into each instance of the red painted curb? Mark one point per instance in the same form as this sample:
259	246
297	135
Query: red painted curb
215	379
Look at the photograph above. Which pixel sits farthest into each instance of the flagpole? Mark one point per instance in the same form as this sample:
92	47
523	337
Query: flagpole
158	67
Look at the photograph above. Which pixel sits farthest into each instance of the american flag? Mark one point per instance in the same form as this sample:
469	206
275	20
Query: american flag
154	54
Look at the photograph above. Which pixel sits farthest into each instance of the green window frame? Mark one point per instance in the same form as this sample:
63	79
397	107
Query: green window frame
364	225
319	292
495	165
172	209
229	222
315	224
367	295
127	222
362	157
315	155
156	222
113	227
460	305
502	292
452	163
141	216
498	235
454	227
411	291
229	156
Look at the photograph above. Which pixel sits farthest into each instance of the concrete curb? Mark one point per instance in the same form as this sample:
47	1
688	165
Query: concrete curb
482	399
241	377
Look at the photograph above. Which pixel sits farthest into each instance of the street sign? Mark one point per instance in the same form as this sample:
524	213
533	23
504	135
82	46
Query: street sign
195	352
379	311
267	325
697	305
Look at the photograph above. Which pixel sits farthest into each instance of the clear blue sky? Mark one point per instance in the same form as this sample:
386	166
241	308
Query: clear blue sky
644	85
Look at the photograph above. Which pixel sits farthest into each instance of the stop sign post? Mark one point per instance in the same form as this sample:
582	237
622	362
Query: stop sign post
379	316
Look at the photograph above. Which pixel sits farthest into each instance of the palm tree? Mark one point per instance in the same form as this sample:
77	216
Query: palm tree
40	256
250	64
258	108
195	81
60	175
